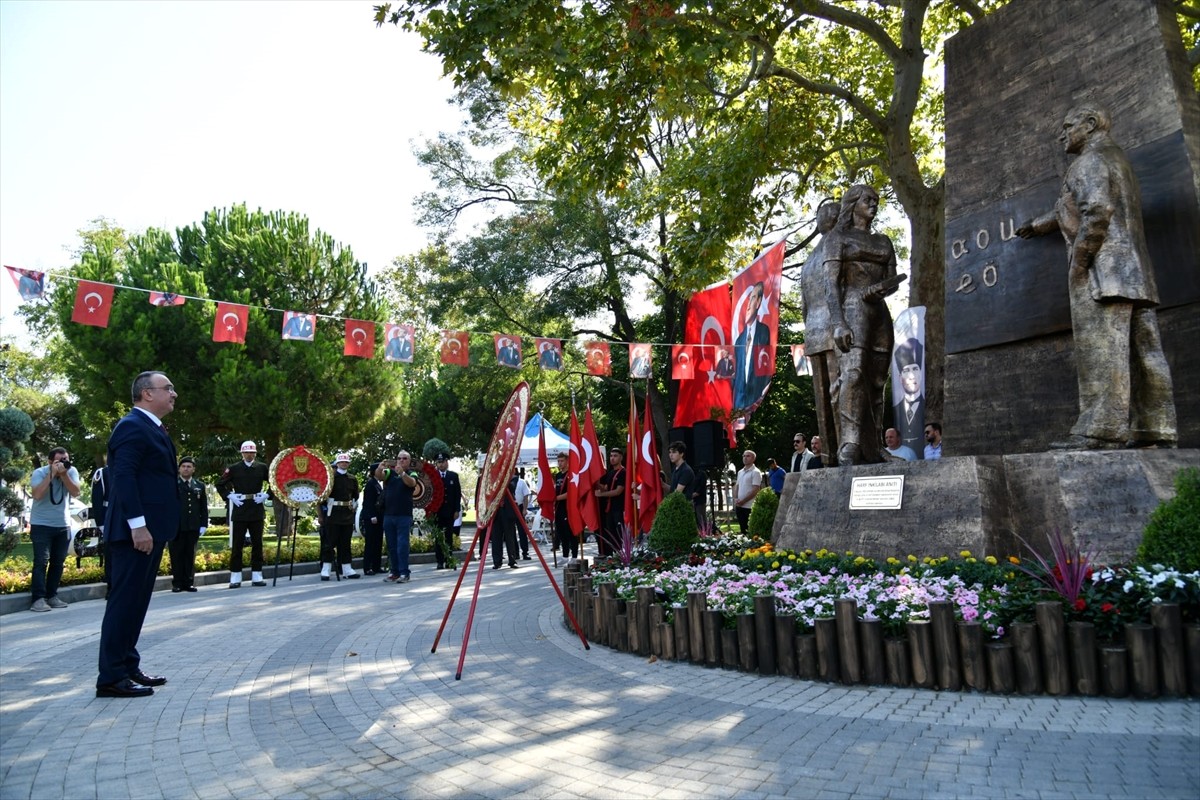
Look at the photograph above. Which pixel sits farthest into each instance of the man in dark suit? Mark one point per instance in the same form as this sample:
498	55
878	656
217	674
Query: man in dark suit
748	386
143	515
370	522
449	513
909	413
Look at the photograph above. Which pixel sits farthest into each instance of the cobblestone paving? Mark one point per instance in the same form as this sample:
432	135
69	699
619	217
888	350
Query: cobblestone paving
328	690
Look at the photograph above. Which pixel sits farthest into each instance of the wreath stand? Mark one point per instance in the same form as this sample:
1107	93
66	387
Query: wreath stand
497	467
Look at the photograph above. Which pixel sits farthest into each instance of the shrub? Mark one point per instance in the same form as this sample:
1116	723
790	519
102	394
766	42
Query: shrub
1172	536
762	514
674	530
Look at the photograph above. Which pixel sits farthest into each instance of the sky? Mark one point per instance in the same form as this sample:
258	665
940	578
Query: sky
151	113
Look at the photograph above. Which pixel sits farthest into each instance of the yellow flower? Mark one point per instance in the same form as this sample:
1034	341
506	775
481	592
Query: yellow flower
792	557
859	561
971	561
991	560
774	565
1014	560
893	560
965	554
822	553
912	559
849	552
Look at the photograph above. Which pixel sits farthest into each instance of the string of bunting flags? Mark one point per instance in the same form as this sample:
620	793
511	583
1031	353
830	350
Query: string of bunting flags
710	355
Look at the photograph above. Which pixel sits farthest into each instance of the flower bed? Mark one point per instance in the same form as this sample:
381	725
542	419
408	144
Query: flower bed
962	619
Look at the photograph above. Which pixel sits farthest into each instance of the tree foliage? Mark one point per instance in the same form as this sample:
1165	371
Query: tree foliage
278	393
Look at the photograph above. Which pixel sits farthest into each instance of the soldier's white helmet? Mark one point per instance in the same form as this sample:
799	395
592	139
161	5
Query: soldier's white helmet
340	457
249	447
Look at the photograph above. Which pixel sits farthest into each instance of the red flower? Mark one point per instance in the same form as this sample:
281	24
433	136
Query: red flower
1107	607
1080	604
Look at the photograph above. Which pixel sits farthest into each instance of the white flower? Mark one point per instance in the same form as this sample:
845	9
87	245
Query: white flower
1128	585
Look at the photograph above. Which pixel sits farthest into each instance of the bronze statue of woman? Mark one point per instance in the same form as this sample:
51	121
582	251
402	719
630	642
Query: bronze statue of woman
862	272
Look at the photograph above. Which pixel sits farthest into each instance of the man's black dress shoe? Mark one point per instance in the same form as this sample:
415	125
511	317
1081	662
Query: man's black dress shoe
191	589
324	577
125	688
147	680
176	589
258	583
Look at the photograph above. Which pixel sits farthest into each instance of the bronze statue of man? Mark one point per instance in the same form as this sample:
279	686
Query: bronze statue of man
1125	396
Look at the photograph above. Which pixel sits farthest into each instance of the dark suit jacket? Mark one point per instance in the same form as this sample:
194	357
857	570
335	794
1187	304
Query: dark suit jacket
748	388
451	499
911	433
141	479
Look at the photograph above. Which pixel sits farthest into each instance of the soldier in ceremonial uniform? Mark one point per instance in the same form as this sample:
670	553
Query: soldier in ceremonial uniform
97	513
337	519
193	521
243	488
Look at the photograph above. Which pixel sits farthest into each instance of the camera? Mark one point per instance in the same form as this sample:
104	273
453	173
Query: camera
66	463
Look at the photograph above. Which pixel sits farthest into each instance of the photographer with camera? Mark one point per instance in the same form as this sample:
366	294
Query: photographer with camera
49	529
399	479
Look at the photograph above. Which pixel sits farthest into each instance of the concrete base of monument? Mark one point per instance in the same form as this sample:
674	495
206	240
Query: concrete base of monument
1100	500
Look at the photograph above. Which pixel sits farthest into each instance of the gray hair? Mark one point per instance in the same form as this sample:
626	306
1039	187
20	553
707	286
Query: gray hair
143	382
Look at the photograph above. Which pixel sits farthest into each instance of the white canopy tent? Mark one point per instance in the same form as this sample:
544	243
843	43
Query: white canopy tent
556	441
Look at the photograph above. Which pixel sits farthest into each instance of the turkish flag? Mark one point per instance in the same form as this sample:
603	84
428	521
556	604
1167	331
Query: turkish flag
508	350
593	465
545	493
632	445
648	472
706	323
598	357
549	352
166	299
30	285
800	360
230	323
755	325
683	367
454	348
360	339
93	302
574	468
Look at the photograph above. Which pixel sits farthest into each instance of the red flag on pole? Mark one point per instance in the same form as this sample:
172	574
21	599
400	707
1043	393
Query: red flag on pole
632	445
93	302
454	348
594	467
648	469
360	339
546	494
574	468
230	323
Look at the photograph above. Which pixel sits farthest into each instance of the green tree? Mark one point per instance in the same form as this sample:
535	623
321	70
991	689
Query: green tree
820	91
279	393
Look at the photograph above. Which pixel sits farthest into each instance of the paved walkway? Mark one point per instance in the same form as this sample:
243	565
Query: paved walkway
325	690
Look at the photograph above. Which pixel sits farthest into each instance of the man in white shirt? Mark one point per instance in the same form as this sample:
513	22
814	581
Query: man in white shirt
895	449
749	483
521	495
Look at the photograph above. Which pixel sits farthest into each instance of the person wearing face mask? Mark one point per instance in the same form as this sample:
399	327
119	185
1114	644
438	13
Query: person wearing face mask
243	487
337	519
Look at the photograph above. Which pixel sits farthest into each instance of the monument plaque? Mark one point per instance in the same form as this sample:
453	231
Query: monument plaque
880	493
